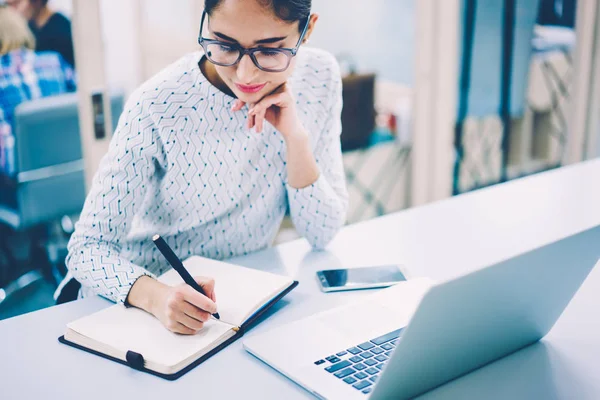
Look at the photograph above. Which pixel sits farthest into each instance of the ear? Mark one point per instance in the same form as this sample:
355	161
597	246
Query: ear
311	26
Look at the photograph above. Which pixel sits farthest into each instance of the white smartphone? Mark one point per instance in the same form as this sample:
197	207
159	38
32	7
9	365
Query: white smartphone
335	280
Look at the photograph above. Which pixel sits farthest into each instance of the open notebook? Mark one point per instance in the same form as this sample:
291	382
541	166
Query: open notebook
136	338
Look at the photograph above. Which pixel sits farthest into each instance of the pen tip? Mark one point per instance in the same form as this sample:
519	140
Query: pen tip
155	237
216	315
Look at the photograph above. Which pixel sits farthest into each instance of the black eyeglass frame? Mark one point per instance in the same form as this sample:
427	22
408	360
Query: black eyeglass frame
288	52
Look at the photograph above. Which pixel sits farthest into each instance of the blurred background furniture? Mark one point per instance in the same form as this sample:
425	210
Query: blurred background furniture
48	188
358	114
532	136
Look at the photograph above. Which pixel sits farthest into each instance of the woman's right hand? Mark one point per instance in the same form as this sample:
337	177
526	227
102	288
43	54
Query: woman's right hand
181	309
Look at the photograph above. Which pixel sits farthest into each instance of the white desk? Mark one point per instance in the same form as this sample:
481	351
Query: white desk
439	240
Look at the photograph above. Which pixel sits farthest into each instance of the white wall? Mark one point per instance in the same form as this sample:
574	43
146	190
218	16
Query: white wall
63	6
143	36
169	30
122	50
379	34
597	154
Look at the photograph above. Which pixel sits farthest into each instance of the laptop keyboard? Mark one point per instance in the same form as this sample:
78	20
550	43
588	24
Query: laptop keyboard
360	365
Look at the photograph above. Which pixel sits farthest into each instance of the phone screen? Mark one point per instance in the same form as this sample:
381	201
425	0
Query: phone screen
362	277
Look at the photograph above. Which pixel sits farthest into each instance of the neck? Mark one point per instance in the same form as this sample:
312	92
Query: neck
211	74
42	16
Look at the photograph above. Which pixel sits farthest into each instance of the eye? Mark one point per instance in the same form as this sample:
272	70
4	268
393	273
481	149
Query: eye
270	53
226	49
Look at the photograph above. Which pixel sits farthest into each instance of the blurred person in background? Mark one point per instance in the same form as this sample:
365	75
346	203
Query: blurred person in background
24	75
51	29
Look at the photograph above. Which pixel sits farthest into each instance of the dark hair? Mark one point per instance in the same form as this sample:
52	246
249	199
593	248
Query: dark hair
287	10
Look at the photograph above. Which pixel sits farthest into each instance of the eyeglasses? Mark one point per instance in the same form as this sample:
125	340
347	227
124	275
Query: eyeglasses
265	58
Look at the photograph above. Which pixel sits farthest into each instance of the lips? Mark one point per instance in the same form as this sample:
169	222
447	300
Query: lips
250	88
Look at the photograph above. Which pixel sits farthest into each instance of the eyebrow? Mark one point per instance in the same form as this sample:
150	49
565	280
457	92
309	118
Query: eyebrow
262	41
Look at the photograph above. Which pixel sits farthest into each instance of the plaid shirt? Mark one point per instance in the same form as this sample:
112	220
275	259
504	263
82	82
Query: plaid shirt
26	75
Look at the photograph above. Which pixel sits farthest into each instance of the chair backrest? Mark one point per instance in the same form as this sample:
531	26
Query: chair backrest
50	168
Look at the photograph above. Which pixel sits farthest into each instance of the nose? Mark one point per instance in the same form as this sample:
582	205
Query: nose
246	70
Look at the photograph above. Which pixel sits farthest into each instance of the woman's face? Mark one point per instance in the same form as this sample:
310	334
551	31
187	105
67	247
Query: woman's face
247	23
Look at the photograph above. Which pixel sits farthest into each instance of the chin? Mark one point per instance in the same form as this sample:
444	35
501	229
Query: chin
251	98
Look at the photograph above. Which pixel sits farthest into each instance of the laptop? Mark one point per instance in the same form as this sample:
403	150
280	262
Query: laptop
403	341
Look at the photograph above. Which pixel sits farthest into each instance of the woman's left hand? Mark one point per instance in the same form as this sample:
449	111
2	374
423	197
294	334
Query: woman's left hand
278	108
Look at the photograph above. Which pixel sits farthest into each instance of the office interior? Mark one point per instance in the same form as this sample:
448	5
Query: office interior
441	99
387	153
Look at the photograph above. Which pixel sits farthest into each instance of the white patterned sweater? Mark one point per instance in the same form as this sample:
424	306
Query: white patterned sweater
183	165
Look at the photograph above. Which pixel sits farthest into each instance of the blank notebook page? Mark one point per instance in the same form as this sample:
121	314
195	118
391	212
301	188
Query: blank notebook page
240	291
133	329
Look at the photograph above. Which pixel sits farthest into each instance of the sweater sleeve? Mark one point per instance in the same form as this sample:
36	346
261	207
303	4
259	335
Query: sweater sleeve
319	210
123	178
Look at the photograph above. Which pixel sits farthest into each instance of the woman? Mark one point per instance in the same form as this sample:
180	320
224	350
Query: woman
51	29
210	153
24	76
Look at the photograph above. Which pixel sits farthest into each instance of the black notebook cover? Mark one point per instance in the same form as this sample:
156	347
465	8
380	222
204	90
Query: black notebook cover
245	327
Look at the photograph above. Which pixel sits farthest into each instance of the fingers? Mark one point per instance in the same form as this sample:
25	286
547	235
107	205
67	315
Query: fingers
278	99
183	317
260	120
194	312
281	97
208	285
250	122
237	105
173	316
189	322
199	300
257	112
256	121
178	327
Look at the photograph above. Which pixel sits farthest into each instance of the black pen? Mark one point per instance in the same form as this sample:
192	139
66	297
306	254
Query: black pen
178	265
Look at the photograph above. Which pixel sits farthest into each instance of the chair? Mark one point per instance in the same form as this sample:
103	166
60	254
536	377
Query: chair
49	183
